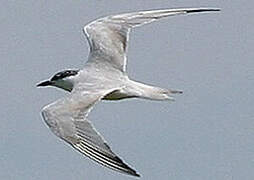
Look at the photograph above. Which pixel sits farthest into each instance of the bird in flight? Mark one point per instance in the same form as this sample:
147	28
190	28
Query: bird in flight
103	77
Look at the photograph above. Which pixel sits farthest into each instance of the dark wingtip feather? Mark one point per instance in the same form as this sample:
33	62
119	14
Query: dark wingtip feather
202	10
129	171
134	173
137	175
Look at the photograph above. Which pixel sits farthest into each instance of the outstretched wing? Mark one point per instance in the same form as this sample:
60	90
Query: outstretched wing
108	36
67	118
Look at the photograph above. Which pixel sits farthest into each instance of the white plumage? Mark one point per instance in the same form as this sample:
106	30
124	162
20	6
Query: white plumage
103	77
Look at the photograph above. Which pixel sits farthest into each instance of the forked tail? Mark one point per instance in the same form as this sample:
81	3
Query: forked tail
141	90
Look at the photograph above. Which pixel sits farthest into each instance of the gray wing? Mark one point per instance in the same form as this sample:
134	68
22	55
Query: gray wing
67	118
108	36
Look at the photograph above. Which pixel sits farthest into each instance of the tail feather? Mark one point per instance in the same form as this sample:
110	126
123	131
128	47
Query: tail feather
153	93
168	92
176	91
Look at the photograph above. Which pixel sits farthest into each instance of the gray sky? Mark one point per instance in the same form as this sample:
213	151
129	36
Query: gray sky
206	134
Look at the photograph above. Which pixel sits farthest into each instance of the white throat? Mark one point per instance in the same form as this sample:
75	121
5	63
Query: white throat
65	84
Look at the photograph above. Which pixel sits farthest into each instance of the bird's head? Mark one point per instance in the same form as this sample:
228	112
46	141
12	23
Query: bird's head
63	80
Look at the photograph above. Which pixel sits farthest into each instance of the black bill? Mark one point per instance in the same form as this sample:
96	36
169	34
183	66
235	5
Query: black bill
45	83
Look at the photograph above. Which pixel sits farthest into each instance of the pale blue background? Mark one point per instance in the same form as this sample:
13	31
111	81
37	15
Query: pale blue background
207	134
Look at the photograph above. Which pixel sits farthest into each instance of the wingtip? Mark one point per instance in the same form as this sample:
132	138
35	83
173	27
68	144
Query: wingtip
129	170
134	173
203	10
137	175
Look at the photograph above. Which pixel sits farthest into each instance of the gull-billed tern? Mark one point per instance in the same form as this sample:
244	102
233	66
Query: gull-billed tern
103	77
